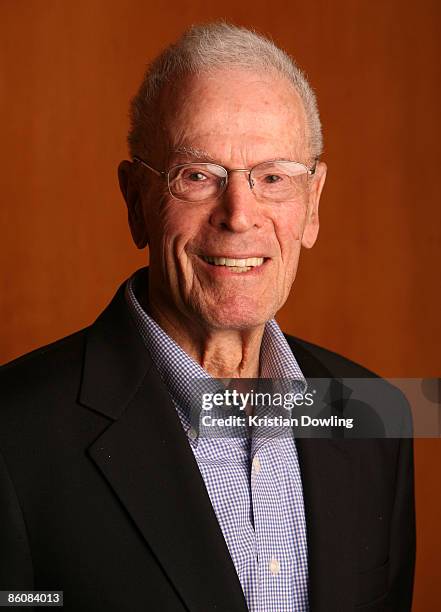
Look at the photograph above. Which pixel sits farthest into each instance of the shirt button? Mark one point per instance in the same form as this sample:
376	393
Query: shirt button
255	467
274	566
192	434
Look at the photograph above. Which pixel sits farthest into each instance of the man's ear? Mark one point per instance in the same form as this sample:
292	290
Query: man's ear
310	232
130	189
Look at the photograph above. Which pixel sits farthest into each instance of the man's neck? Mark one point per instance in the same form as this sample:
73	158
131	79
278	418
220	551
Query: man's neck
223	353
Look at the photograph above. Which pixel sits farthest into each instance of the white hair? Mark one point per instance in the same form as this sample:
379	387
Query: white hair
211	46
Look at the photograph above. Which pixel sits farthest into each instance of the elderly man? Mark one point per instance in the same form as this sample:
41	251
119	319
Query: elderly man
109	492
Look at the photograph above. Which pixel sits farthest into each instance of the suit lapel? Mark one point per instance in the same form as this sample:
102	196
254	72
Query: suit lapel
145	457
328	493
328	471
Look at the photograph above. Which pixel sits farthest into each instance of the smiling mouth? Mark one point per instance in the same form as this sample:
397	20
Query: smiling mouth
235	265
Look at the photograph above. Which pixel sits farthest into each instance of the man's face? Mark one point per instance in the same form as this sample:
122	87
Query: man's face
236	119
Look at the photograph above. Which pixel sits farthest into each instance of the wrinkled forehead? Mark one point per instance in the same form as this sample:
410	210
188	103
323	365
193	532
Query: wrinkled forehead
234	105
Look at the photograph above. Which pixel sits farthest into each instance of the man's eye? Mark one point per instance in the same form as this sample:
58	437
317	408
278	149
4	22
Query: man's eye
196	177
272	178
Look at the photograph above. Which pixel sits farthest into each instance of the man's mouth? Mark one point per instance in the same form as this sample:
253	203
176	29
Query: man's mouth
235	265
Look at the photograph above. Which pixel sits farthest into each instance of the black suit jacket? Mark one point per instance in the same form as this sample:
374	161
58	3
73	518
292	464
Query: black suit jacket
101	497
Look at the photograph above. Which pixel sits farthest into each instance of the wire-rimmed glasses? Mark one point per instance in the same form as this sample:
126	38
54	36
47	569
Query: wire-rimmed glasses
274	180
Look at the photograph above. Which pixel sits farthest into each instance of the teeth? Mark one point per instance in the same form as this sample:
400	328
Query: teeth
240	265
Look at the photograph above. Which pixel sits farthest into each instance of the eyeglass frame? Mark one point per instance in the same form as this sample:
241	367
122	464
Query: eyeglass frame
165	174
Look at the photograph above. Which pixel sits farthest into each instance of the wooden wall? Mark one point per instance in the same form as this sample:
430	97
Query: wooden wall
369	289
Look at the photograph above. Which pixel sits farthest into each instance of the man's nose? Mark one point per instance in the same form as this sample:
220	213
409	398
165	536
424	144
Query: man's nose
237	208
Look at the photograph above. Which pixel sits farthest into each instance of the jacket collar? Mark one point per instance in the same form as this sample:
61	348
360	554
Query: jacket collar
115	361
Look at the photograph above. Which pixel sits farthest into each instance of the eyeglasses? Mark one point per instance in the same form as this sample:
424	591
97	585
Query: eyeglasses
274	181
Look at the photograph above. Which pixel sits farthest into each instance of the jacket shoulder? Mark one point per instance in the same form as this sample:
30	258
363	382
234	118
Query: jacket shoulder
313	358
46	367
370	395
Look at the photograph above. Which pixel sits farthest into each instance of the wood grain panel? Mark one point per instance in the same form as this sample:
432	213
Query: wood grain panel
370	288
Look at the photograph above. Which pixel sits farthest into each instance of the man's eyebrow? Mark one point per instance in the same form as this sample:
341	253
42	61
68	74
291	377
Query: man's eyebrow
196	154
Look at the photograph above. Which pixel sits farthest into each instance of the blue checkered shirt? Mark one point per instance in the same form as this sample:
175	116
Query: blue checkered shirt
253	482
